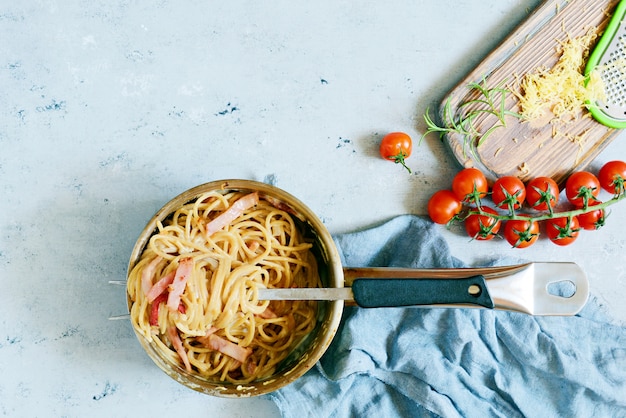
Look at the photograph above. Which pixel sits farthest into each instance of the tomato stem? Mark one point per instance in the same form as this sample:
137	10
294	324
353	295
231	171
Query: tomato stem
399	159
474	196
524	236
567	231
586	194
545	196
618	185
510	200
486	230
551	214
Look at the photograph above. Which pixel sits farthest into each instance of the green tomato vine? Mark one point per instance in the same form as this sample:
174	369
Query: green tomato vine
583	209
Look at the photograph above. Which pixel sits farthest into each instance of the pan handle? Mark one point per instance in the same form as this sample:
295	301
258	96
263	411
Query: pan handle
378	293
521	288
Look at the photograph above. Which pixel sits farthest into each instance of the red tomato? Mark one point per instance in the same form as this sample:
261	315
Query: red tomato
581	188
396	147
542	193
562	231
521	233
508	192
612	176
482	227
593	219
443	206
470	184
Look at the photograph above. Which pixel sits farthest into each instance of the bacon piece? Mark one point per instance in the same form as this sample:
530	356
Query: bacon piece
251	367
232	213
159	287
215	342
147	273
280	205
156	305
177	287
253	245
172	334
154	309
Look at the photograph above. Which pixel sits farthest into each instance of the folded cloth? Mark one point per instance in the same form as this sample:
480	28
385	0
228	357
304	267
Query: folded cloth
410	362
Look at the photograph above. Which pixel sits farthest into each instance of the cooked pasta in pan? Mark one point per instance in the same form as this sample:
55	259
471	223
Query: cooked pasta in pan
193	292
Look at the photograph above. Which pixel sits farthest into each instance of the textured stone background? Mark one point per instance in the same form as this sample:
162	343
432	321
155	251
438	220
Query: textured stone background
111	108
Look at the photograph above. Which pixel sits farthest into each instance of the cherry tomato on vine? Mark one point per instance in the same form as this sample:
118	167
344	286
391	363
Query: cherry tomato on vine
521	233
562	231
482	227
396	147
612	176
581	188
508	192
443	206
542	193
470	184
594	219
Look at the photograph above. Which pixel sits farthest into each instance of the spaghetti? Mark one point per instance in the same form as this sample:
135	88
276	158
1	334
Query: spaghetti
193	291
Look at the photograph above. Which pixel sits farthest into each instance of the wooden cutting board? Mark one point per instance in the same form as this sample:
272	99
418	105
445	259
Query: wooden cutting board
521	149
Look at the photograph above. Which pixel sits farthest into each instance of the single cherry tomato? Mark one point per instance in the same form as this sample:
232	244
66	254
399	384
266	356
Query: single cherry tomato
581	188
396	147
443	206
482	227
508	192
542	193
612	176
594	219
521	233
563	231
469	185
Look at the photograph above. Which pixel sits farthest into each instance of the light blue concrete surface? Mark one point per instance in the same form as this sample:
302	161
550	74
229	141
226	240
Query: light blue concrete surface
108	109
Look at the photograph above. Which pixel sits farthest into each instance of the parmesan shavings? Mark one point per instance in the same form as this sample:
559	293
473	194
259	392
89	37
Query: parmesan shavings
562	91
579	140
524	168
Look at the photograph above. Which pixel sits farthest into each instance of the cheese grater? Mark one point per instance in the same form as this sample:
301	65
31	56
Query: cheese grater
609	57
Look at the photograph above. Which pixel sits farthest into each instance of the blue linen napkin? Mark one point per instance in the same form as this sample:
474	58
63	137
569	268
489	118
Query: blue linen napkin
409	362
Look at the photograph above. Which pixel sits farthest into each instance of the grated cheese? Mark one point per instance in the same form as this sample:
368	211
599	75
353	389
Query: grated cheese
524	168
560	92
578	140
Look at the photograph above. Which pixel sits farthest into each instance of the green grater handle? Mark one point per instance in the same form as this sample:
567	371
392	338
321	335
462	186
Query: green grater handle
594	61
